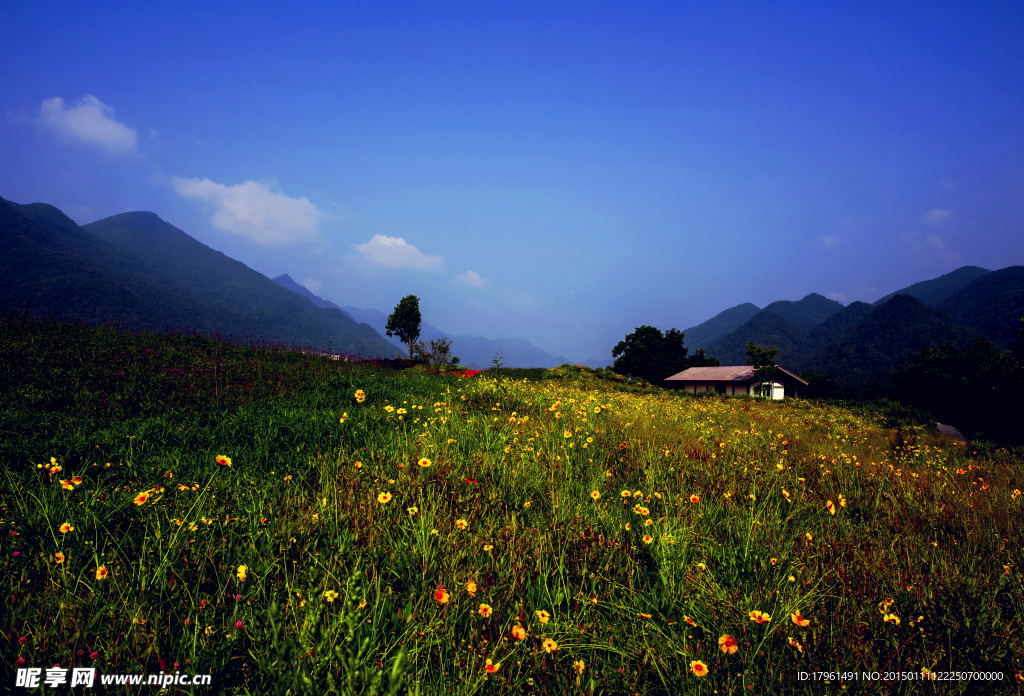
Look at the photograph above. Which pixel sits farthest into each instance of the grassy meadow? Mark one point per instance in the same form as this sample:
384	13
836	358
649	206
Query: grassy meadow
292	524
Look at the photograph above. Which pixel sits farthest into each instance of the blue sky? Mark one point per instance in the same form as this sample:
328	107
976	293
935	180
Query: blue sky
561	172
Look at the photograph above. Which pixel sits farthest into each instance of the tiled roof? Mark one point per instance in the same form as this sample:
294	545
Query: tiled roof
728	373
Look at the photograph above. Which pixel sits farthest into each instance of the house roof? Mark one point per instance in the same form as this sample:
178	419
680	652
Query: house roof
729	373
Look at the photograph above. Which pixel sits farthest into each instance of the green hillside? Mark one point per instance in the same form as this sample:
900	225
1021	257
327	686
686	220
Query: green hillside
721	324
933	292
806	313
881	342
768	330
991	305
842	322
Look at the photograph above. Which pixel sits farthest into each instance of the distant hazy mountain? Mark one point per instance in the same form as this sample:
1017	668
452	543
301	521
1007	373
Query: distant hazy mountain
992	304
933	292
768	330
285	281
240	300
882	341
702	335
597	362
806	313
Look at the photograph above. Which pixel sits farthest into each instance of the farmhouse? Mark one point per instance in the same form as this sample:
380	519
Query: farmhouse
734	380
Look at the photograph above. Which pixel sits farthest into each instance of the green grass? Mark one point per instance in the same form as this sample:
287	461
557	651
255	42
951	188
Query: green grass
930	527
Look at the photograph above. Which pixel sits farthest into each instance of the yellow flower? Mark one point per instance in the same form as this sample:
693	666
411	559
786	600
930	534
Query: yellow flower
241	572
223	460
891	618
141	498
629	526
595	495
830	507
389	409
728	645
65	528
66	485
344	417
384	498
799	619
424	462
519	633
360	395
626	494
779	467
76	480
101	572
648	538
471	588
330	595
491	667
759	616
694	499
842	500
461	524
568	433
402	411
549	645
488	547
809	536
796	645
578	666
526	504
543	616
698	668
485	610
412	511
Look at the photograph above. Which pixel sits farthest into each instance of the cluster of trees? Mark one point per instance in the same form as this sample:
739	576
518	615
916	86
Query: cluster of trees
405	323
652	356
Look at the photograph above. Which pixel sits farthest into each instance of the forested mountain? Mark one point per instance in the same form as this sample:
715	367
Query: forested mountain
723	323
767	329
933	292
806	313
137	268
991	305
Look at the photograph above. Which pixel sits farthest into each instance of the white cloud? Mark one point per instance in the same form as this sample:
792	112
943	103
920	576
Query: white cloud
90	122
829	240
253	211
471	278
393	252
935	217
312	284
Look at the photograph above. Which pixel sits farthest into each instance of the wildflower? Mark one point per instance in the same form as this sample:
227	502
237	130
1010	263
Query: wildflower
626	494
424	462
568	434
141	498
461	524
774	561
779	467
648	538
384	498
344	417
694	499
550	646
238	624
891	618
799	619
519	633
471	588
241	572
644	616
402	411
579	666
222	460
101	572
485	610
648	523
842	500
595	495
526	504
76	480
792	579
488	547
690	621
728	644
360	395
830	507
759	616
785	494
491	667
58	557
66	485
796	645
65	528
698	668
629	526
441	595
809	536
330	595
543	616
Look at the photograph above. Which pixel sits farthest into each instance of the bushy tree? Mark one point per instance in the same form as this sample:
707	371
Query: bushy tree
653	356
437	354
404	322
763	362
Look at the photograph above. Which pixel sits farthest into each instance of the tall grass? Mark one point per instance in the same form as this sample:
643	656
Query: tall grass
644	526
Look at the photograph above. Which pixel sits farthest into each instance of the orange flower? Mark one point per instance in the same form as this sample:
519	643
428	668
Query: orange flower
101	572
728	644
549	645
222	460
58	557
796	645
441	595
519	633
759	616
543	616
141	498
66	485
644	616
690	621
491	667
842	500
76	480
485	610
471	588
65	528
799	619
698	668
830	507
695	499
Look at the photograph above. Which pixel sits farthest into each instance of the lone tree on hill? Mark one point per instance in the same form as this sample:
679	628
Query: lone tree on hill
648	354
763	362
404	322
